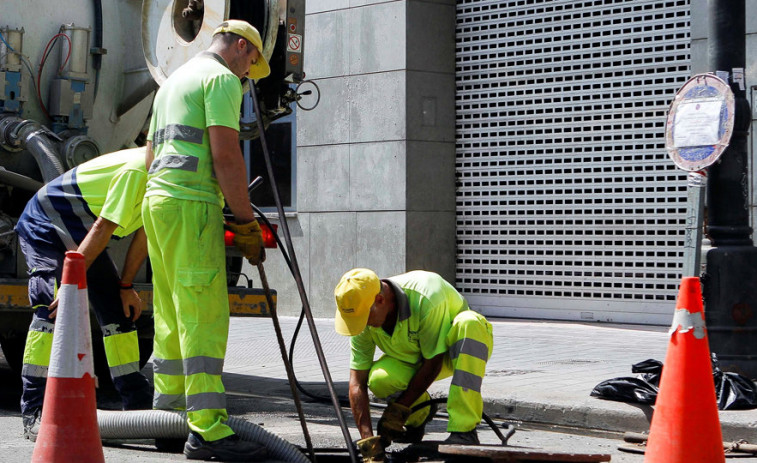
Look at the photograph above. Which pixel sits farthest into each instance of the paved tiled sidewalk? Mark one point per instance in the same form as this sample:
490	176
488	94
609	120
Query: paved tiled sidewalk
539	371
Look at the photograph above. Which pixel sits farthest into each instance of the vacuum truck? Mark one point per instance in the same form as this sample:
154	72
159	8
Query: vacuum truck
77	80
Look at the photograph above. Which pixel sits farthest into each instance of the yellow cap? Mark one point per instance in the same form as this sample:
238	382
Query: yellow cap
354	296
243	29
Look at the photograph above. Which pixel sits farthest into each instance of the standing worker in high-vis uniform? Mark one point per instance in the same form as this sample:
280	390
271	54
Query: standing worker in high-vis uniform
426	332
195	162
80	211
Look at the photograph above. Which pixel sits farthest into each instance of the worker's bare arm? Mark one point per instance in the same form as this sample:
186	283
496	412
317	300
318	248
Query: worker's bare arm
230	170
358	392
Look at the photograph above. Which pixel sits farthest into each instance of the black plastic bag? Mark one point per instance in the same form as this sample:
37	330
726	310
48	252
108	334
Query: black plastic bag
733	391
626	389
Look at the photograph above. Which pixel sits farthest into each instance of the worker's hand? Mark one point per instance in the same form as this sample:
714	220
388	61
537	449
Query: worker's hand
131	302
53	307
249	240
392	422
371	449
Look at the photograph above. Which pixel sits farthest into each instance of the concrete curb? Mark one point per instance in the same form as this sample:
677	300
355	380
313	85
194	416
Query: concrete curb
597	415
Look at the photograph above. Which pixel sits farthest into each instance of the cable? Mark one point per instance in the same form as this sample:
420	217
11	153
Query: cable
45	55
298	277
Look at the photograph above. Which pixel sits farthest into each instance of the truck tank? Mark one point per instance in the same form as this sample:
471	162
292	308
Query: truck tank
77	79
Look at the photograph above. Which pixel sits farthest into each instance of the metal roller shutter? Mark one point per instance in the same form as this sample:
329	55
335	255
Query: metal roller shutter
568	206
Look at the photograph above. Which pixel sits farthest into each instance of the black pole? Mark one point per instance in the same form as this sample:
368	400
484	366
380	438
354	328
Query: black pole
728	191
730	281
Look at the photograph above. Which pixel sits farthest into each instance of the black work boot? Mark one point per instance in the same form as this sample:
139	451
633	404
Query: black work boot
230	448
31	424
463	438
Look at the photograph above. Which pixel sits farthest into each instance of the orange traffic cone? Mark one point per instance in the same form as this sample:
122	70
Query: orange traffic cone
68	430
685	424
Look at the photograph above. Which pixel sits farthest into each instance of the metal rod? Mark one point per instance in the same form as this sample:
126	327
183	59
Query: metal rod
287	365
298	279
692	244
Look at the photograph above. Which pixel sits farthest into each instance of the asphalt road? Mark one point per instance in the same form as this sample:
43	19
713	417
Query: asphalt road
271	406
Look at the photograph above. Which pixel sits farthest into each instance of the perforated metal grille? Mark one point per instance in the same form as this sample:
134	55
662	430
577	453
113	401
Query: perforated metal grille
567	203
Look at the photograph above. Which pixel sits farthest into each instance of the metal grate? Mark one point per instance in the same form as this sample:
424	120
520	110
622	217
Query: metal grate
568	206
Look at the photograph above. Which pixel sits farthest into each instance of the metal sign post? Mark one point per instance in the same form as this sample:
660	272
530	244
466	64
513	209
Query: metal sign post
698	130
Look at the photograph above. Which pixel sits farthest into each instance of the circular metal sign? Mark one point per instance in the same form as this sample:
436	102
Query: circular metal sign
700	122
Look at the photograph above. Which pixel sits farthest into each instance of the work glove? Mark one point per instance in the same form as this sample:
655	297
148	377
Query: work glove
249	240
392	422
371	449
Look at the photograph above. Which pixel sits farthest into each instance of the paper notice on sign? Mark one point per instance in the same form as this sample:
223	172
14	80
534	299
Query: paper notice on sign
697	123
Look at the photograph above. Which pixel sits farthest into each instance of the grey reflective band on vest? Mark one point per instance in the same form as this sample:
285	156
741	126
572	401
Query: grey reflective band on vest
169	402
206	401
470	347
41	325
207	365
175	161
168	367
178	132
125	369
77	205
467	380
55	219
36	371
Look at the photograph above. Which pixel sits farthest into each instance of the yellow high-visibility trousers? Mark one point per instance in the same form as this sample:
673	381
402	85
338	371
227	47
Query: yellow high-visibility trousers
191	310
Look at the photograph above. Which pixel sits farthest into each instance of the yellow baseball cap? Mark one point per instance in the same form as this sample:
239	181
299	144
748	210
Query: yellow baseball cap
243	29
354	296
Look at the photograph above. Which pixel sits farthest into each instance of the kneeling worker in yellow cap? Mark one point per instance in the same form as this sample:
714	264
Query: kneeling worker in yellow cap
426	332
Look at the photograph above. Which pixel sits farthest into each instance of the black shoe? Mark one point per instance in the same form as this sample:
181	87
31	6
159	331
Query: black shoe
414	434
169	444
462	438
230	448
31	424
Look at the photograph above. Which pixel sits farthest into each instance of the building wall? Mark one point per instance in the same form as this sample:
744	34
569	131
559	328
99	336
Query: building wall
376	157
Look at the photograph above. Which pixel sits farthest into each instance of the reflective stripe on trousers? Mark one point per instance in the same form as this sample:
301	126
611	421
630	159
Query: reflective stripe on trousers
191	311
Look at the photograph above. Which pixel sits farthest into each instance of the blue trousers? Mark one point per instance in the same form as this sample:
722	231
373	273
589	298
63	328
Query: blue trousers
45	263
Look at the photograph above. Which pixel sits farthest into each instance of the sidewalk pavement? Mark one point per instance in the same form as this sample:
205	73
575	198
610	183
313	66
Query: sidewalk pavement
540	371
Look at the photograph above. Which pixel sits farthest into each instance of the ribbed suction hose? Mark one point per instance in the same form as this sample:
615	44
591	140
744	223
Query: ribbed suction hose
27	134
150	424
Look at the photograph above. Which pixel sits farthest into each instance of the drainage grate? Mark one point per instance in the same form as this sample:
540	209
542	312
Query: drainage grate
566	198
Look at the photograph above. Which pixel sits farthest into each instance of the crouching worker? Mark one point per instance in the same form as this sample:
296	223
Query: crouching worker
426	332
80	211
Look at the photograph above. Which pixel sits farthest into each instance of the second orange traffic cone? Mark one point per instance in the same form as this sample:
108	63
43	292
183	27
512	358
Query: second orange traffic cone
685	424
68	430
